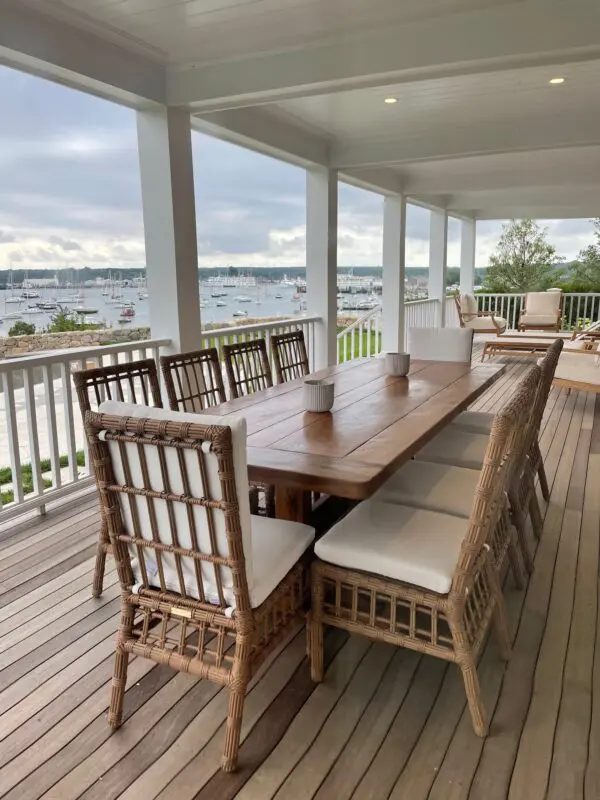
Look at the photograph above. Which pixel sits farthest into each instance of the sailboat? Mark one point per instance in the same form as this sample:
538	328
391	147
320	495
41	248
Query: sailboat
11	288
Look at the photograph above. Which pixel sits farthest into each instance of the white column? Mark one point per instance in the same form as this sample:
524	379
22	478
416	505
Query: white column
438	256
165	150
467	255
394	271
321	260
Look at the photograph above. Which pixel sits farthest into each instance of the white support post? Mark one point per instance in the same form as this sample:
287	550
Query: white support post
394	271
321	260
438	256
166	168
468	235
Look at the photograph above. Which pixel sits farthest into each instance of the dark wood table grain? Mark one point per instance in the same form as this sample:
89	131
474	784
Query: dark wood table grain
377	423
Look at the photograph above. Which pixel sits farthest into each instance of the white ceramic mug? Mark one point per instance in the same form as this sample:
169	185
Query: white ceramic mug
397	363
318	395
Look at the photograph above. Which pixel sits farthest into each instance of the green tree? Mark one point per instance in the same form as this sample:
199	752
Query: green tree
524	260
586	270
22	328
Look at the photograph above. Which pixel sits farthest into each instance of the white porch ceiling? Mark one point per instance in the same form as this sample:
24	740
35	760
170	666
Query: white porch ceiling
476	128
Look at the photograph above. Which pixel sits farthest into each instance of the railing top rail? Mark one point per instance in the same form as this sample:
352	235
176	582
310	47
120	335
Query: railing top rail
421	302
372	312
78	353
235	330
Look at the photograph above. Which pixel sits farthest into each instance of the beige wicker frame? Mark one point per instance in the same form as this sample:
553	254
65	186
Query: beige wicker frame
247	366
290	358
176	629
248	371
521	492
131	382
185	392
464	319
452	626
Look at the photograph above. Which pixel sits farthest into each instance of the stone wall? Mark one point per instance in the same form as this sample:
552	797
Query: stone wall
14	346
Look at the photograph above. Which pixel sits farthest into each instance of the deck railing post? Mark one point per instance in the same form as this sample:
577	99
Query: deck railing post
468	238
438	256
394	270
166	170
321	260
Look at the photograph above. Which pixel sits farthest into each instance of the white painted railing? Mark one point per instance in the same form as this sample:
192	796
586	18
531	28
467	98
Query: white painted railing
578	308
42	449
362	338
242	333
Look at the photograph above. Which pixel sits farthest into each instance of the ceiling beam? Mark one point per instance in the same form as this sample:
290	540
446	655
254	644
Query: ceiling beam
481	175
580	211
265	133
504	36
480	139
53	49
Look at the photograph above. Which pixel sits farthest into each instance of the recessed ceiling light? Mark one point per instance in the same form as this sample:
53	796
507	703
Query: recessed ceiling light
557	80
390	100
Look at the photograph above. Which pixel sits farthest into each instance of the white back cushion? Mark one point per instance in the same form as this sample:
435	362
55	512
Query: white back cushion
542	302
441	344
468	304
182	525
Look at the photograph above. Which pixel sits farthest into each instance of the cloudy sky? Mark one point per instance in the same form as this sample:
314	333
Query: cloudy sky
70	194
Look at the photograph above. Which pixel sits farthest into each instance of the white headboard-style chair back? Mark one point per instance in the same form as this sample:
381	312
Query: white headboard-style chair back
441	344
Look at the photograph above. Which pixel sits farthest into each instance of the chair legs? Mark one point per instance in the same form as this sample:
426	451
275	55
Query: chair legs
237	696
100	566
315	647
119	681
468	670
542	476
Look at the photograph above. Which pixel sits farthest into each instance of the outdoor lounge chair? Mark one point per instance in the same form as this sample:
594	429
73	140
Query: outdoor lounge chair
479	321
541	311
579	370
440	344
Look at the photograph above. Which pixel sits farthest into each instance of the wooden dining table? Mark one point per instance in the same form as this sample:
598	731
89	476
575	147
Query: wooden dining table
376	424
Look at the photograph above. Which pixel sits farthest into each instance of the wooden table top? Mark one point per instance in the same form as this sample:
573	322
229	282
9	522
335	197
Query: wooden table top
377	423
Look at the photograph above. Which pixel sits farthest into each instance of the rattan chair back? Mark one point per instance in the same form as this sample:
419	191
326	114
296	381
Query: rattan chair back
247	366
168	491
503	451
130	382
193	381
290	358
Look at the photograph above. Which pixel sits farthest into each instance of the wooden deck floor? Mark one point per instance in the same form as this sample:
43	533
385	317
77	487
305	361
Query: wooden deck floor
386	723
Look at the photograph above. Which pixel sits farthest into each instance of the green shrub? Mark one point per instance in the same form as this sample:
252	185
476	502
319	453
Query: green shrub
22	328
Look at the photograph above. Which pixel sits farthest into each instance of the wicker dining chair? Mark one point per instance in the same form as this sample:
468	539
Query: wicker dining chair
249	371
481	421
417	579
132	382
194	382
449	488
289	356
247	366
206	588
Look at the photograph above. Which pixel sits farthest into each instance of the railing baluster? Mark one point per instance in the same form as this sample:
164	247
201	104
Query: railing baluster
52	426
32	432
65	374
12	435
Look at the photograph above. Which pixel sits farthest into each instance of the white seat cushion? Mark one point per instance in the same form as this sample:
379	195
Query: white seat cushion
271	547
405	544
485	324
435	487
277	545
453	445
540	303
468	304
579	368
475	421
441	344
538	319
